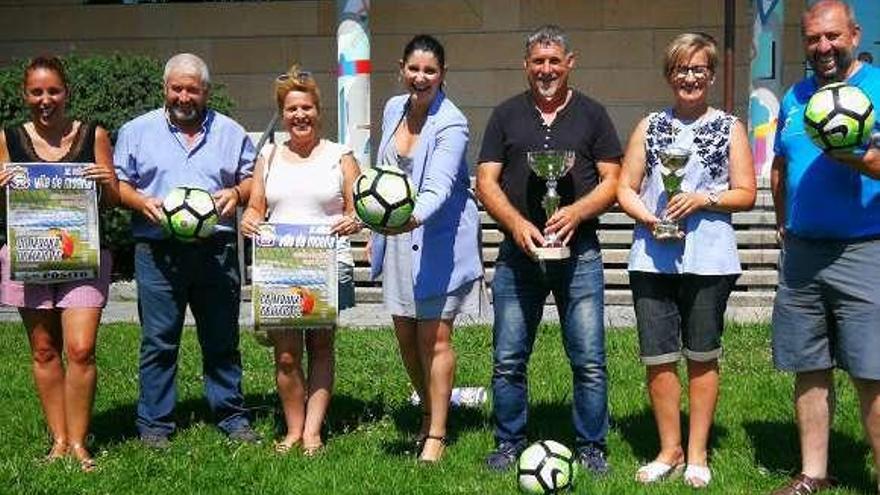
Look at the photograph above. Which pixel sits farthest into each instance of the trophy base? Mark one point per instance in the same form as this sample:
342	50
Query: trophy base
552	252
668	233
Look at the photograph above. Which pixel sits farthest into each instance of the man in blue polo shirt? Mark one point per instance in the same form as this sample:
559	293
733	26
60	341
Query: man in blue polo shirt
828	215
186	144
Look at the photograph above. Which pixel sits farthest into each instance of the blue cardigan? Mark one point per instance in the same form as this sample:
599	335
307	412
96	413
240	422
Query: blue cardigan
445	250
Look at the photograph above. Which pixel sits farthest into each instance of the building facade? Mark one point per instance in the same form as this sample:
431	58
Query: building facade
619	44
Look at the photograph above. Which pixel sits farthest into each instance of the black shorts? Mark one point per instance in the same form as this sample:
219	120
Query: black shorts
680	314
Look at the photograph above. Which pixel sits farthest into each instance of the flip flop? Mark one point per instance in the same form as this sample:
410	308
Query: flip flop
655	471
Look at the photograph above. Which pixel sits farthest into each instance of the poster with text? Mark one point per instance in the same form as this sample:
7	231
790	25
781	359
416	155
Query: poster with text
294	277
52	223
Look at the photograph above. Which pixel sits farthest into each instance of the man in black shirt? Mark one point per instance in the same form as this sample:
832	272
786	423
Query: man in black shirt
549	116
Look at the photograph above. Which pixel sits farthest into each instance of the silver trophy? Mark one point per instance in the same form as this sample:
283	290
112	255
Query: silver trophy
551	166
672	163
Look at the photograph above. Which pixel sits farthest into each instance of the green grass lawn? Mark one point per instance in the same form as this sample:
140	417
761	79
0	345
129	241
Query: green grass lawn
370	423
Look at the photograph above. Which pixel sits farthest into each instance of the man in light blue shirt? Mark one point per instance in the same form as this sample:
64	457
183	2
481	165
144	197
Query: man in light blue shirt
186	144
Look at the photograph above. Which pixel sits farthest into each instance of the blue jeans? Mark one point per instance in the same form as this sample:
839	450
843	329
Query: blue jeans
519	289
169	276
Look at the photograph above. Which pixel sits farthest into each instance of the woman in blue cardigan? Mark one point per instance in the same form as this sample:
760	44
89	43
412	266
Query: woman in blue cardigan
431	267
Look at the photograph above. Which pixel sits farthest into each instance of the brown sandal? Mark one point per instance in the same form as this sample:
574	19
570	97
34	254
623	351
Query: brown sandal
86	462
313	450
283	447
805	485
57	451
428	438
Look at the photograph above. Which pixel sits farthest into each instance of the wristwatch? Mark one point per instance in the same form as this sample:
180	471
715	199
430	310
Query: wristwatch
713	199
875	140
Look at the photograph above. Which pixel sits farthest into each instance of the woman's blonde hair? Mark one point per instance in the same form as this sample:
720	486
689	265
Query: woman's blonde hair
296	79
684	46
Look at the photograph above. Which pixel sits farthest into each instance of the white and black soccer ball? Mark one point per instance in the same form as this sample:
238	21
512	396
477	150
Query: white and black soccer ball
545	467
190	213
838	117
384	197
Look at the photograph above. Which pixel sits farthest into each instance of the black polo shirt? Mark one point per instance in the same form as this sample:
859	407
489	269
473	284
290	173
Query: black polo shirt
516	127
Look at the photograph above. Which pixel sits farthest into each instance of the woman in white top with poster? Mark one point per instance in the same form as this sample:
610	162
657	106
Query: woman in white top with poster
306	179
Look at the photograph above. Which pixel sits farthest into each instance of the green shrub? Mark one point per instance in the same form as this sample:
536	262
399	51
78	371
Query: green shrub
109	90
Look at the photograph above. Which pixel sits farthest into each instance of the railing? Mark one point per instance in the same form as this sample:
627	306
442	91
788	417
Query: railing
755	235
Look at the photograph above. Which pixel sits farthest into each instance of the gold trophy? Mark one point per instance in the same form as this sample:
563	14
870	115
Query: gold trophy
551	165
672	163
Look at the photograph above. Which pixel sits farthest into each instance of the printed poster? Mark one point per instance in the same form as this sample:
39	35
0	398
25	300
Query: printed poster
294	277
52	223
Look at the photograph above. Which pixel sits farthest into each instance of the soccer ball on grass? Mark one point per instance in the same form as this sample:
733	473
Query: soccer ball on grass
545	467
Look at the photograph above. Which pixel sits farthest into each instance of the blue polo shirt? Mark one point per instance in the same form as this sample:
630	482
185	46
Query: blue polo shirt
151	154
825	199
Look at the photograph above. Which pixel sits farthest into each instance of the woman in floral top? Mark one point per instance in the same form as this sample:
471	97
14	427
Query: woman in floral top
681	280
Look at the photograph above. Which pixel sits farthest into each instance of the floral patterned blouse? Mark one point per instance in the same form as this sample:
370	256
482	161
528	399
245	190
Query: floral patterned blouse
709	247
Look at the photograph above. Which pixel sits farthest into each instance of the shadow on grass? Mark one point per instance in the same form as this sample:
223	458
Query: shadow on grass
777	448
547	421
117	424
640	432
408	418
551	421
346	413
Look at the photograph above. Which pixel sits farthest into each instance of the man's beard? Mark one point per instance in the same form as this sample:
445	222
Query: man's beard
550	89
184	115
843	60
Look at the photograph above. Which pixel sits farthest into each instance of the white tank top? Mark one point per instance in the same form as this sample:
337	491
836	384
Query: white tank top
307	190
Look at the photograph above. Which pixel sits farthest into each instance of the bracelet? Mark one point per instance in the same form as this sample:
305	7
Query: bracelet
237	195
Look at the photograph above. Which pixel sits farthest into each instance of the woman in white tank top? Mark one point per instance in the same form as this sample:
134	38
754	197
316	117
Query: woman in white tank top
305	180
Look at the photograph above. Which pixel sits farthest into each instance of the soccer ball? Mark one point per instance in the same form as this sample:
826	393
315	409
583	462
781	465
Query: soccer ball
545	467
839	116
384	197
190	213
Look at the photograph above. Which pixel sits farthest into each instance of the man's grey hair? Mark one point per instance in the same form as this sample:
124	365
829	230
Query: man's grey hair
190	64
548	34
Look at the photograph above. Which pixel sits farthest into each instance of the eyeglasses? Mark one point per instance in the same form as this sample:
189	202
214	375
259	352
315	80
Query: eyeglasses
301	76
699	71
